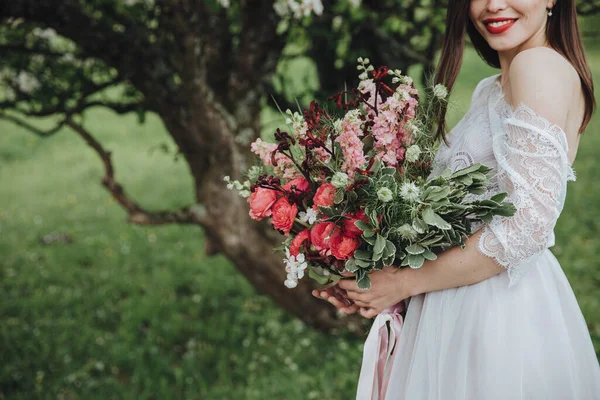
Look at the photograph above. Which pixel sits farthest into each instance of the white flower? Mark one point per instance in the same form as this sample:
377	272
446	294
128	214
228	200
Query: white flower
407	232
27	82
385	194
254	172
440	91
290	283
340	179
309	216
224	3
295	267
337	125
413	153
414	128
410	192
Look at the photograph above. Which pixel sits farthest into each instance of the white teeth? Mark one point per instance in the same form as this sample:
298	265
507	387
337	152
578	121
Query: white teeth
500	23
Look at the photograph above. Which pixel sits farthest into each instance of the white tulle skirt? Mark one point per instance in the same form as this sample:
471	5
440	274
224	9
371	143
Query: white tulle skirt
486	342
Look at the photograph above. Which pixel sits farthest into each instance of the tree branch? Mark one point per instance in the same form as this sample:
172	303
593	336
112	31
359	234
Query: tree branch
37	131
186	215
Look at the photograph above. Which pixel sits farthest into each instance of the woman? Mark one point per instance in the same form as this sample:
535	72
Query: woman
498	319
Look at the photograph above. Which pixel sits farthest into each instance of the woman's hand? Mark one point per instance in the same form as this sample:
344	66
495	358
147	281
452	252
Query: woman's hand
338	298
388	287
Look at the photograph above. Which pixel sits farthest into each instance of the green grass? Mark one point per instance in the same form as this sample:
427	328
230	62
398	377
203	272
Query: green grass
129	312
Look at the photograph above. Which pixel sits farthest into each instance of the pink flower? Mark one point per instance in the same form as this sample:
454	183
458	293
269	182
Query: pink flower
320	235
325	195
284	215
285	168
352	146
343	246
264	150
298	241
301	185
261	201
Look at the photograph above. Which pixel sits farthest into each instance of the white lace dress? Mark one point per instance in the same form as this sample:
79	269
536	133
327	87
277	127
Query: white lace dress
519	335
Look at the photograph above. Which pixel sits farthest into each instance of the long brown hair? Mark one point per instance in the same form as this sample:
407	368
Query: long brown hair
562	32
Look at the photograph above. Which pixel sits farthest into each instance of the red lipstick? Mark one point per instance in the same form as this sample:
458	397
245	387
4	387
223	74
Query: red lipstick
496	30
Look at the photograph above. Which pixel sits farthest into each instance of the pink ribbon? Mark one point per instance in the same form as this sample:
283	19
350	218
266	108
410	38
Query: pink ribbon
377	354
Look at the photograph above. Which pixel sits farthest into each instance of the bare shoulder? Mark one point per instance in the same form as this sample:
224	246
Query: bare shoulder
545	81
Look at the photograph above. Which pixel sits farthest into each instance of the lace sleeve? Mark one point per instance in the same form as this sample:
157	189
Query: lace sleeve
533	168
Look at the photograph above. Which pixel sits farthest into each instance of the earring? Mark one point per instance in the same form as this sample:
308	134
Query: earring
550	12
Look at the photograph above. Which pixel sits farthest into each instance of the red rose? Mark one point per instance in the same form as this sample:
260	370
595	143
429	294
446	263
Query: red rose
320	235
284	215
325	195
348	224
261	201
298	241
300	183
343	246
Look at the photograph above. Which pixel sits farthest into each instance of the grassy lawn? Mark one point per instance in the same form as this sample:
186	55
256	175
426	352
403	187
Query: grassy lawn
129	312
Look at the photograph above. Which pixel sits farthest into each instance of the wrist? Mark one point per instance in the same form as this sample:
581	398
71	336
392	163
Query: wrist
413	281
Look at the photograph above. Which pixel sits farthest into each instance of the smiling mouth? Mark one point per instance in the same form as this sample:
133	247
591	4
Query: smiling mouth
497	24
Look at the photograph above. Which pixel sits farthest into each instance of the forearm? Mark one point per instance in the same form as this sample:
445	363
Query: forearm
453	268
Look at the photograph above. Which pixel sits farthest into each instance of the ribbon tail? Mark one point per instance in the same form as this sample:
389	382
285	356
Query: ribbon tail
367	382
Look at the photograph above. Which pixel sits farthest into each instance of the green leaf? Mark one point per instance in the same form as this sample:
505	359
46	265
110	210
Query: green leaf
363	255
330	212
415	249
364	264
506	210
432	218
389	260
499	197
352	196
362	280
362	225
321	279
388	171
446	174
339	196
351	265
439	194
467	170
368	233
419	225
429	255
379	244
389	250
369	239
373	219
415	260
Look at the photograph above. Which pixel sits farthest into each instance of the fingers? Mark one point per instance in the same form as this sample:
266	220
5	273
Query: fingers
336	300
347	274
349	285
368	312
350	310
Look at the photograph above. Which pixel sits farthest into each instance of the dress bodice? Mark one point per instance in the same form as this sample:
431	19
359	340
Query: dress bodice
529	160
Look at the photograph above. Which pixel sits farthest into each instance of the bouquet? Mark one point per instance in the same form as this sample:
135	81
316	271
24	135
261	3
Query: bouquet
349	187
